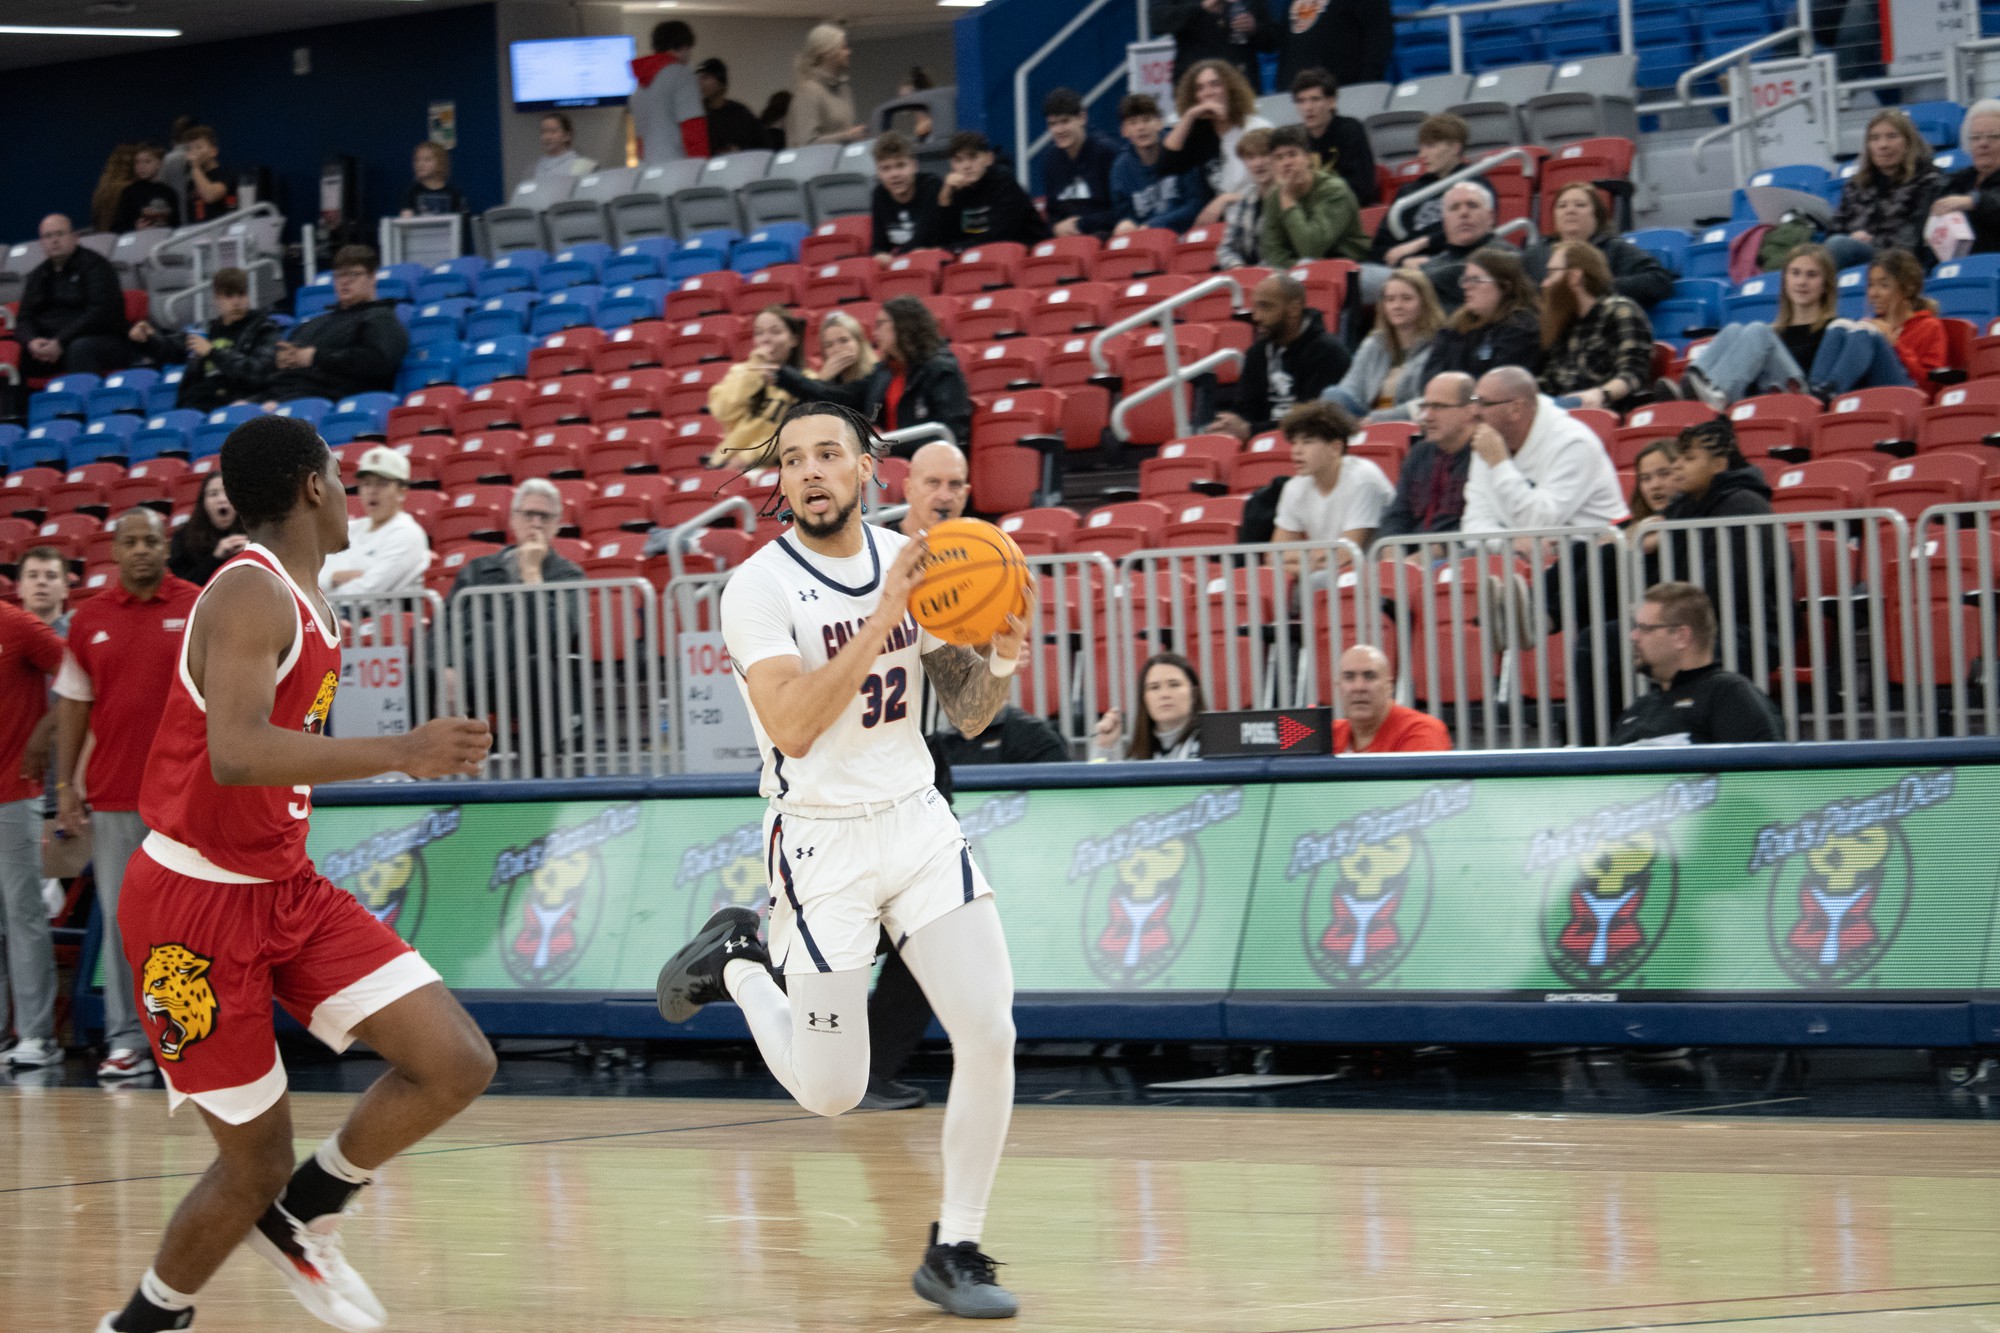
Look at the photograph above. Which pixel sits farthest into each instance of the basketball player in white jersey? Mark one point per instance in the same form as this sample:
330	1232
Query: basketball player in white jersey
856	838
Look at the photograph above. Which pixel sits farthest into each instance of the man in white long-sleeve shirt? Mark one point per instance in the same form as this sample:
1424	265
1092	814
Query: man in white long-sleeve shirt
1534	466
387	551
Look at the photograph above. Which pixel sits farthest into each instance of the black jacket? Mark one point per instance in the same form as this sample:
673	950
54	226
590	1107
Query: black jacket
357	349
1709	706
79	299
1513	341
1344	150
1014	737
195	564
901	227
1199	35
1984	215
137	197
1080	187
241	360
992	208
1634	272
1738	493
934	391
1350	39
734	128
1406	515
1272	384
489	634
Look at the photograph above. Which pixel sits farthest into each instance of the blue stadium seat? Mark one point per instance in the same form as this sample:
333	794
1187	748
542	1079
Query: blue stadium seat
1696	303
1755	301
122	391
704	252
494	358
564	310
1967	288
1662	37
165	394
315	298
503	312
436	363
1580	29
574	267
62	431
452	278
1669	245
310	410
106	441
1708	256
1810	179
1851	289
10	433
439	321
514	272
630	302
1726	26
1423	47
357	415
1938	122
1954	160
215	427
776	244
167	433
398	282
26	453
63	396
1510	37
643	258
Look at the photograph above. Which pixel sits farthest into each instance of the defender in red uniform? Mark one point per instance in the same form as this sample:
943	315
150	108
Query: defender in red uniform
222	912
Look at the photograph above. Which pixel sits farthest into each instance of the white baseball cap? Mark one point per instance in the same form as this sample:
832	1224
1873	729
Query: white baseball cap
384	462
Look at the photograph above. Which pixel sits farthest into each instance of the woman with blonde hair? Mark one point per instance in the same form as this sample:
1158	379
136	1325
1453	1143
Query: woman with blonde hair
748	401
111	185
1884	204
1216	106
1388	371
822	108
845	354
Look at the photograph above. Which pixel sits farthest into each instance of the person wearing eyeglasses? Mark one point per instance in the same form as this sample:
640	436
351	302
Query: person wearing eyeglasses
530	560
1534	466
1697	703
1430	488
356	347
1975	190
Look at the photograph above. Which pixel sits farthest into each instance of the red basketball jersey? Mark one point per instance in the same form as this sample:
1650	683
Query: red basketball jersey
248	832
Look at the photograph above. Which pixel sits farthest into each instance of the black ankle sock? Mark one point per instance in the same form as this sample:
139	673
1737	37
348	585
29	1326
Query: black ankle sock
142	1316
313	1192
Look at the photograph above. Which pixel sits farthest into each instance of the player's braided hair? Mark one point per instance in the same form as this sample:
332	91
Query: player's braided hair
869	440
265	462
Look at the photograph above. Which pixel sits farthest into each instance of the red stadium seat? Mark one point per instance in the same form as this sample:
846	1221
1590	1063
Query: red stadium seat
1014	364
1118	529
914	274
1194	252
984	267
1057	260
710	338
486	456
502	403
638	393
779	284
1661	420
837	239
1587	160
1822	484
1132	295
703	294
1856	422
1326	282
1040	531
1134	255
1964	414
635	345
427	411
991	315
1083	305
1263	461
1775	421
27	491
556	451
565	352
838	283
557	401
626	503
1005	477
1209	521
1180	463
1929	479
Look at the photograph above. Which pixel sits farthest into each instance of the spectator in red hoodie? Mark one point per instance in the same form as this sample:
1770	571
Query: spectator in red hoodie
668	114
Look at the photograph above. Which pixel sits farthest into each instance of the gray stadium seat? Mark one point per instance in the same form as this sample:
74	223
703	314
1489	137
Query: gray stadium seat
1490	109
1587	99
900	114
131	252
1278	109
1392	131
643	212
580	219
737	169
846	188
773	199
100	241
14	268
802	164
1362	100
517	225
710	203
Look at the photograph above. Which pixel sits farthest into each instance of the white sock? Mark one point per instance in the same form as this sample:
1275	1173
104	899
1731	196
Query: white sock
334	1162
162	1295
961	962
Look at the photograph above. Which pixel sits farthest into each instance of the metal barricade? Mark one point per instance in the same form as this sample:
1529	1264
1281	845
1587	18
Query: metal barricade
391	655
1826	623
568	673
1080	664
1954	566
1263	624
691	612
1484	631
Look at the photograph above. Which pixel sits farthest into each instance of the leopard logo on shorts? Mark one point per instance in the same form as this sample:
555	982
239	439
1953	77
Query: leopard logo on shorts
175	990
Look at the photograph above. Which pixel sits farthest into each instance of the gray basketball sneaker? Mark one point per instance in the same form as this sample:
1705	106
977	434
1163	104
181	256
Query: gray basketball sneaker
959	1280
693	976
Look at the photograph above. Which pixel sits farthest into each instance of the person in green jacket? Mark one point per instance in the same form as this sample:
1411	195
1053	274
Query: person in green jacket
1309	213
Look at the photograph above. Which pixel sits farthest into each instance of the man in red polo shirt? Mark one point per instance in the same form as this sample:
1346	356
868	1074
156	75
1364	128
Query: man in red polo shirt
1375	724
30	652
124	648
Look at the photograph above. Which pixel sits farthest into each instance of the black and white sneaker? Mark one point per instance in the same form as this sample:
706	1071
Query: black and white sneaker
693	976
959	1280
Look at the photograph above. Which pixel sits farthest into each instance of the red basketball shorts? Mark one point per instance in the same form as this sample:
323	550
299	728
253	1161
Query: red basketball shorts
207	959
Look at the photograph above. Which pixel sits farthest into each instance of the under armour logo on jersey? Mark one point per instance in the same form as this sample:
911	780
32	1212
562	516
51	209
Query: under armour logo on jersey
831	1023
733	945
808	594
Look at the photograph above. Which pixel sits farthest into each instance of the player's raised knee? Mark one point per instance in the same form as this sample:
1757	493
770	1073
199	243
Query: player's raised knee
836	1096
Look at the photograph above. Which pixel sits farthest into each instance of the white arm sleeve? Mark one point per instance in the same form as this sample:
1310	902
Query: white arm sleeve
756	621
73	682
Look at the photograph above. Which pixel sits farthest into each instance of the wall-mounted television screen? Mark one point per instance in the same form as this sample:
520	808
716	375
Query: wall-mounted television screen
572	71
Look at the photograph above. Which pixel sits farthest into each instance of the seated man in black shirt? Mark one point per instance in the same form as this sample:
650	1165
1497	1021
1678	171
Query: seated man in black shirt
1339	142
230	359
1292	361
904	204
980	201
72	313
356	347
1698	703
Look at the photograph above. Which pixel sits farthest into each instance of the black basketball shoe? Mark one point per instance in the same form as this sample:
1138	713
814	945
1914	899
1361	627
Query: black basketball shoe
959	1280
693	977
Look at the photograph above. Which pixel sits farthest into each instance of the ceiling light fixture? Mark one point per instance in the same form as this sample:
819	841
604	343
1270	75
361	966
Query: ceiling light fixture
650	5
44	30
961	4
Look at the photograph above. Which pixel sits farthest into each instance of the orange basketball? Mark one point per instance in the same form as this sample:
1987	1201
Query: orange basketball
973	579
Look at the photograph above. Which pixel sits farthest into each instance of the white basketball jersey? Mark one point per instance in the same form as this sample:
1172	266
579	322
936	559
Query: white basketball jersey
788	602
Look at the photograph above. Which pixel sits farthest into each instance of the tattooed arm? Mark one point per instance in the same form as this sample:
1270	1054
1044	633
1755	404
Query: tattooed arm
968	691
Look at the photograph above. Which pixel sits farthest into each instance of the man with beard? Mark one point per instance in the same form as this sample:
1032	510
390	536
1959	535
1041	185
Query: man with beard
1599	344
1292	361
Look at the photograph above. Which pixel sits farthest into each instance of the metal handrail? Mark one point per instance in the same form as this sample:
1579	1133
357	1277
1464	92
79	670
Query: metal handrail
1701	145
1394	219
1519	224
1684	85
923	430
888	516
190	242
1024	148
1159	313
1224	356
1955	68
677	537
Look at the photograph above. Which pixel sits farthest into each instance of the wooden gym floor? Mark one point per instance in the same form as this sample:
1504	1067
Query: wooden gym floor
536	1214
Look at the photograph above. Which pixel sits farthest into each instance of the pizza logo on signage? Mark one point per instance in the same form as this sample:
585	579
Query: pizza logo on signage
388	872
554	900
1143	887
727	872
1842	881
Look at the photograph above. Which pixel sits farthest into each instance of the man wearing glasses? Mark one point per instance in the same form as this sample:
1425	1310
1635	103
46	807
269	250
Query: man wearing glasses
1698	703
488	634
356	347
1430	490
1534	466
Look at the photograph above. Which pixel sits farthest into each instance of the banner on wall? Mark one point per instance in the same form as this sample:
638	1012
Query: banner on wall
1149	68
1861	883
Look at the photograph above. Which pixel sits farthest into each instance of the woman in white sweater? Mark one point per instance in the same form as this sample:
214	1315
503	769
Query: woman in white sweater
1387	374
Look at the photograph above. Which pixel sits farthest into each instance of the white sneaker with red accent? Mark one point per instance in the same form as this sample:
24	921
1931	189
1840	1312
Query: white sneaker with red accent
124	1062
309	1257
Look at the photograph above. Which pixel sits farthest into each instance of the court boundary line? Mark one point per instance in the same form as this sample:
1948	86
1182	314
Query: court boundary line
1773	1318
1447	1321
